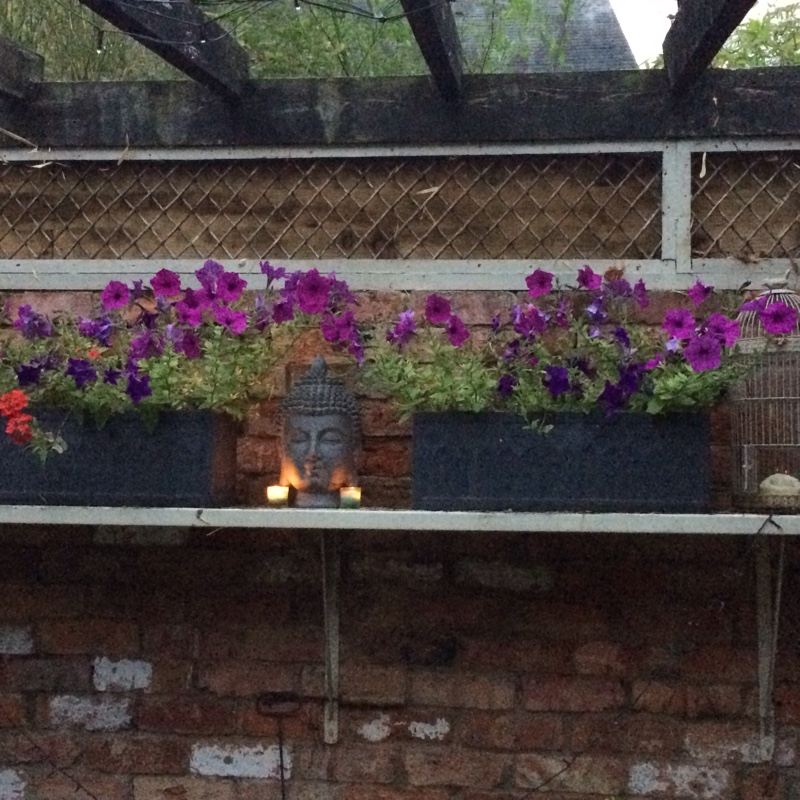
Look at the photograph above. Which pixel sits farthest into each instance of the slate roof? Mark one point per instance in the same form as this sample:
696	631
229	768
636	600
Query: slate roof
594	38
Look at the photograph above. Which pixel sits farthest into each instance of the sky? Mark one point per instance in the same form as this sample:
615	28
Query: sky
645	22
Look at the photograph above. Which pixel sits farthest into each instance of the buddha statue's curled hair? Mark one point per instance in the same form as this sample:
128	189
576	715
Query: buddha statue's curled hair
319	392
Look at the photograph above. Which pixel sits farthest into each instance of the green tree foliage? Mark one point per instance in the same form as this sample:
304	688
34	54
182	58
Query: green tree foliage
771	41
282	40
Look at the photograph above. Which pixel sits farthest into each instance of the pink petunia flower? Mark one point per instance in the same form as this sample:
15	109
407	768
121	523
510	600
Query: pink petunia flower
679	323
437	309
778	318
699	293
539	282
456	331
166	283
312	292
115	295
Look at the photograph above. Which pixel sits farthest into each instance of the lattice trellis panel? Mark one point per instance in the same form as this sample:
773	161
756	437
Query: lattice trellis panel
746	205
512	207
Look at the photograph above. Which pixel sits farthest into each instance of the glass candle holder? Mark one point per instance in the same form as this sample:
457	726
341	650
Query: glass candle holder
277	496
350	497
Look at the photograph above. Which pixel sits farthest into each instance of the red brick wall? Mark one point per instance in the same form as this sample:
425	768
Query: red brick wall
474	667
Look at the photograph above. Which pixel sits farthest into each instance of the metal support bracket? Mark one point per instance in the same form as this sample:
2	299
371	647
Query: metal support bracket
331	572
768	606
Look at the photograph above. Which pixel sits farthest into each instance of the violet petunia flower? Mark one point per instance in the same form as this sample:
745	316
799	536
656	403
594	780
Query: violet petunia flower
621	337
619	287
699	293
230	287
115	295
81	370
166	283
778	318
630	376
403	331
679	323
456	331
312	292
145	345
209	274
32	325
613	398
112	375
188	344
28	374
272	273
703	352
539	282
340	294
640	294
756	304
138	387
437	309
595	313
283	311
100	329
512	351
506	384
188	315
561	317
654	362
556	380
589	279
339	329
137	290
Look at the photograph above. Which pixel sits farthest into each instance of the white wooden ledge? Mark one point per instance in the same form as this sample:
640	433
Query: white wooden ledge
392	520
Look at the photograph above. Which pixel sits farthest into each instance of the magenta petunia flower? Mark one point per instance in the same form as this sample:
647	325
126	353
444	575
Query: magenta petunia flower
654	362
757	304
456	331
699	293
230	287
539	282
188	315
272	273
403	331
166	283
283	311
726	330
235	321
312	292
437	309
115	295
703	352
588	279
556	380
679	323
778	318
208	275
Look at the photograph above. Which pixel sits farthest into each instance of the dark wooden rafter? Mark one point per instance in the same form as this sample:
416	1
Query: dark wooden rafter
185	37
20	69
434	27
699	30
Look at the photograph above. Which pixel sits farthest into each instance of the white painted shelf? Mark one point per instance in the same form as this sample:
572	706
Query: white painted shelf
401	520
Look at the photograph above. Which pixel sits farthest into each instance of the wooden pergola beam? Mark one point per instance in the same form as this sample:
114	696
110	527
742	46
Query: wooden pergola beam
183	36
434	28
699	30
20	69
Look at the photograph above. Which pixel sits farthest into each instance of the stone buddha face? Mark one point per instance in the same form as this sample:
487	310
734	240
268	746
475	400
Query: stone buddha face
319	439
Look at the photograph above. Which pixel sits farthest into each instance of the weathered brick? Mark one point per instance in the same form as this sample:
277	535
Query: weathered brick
137	754
90	713
374	792
510	731
616	732
289	644
688	700
684	780
386	458
12	785
272	790
93	636
381	418
124	675
75	785
247	678
583	774
48	675
59	749
53	304
373	685
351	763
257	455
16	640
183	788
24	603
572	694
241	761
196	714
12	711
715	742
601	658
451	766
502	575
407	724
460	690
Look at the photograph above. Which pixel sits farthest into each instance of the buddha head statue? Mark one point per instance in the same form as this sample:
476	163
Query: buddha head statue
320	438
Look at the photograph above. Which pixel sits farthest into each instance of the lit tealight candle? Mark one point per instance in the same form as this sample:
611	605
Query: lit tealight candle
278	496
350	497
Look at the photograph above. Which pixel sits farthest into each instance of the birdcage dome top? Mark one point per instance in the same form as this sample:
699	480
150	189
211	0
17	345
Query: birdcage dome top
752	334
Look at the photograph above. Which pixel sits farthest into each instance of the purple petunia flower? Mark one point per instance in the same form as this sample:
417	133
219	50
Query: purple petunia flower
112	376
506	384
188	315
209	274
778	318
28	374
138	387
234	321
145	345
679	323
81	370
456	331
654	362
630	376
339	329
539	282
699	293
137	290
556	380
312	292
272	273
283	311
622	338
588	279
726	330
595	313
403	331
529	321
613	398
757	304
230	287
188	344
512	351
672	345
32	325
115	295
619	287
437	309
640	294
561	317
703	352
100	329
340	294
166	283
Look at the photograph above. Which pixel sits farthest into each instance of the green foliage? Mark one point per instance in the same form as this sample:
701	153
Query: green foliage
770	41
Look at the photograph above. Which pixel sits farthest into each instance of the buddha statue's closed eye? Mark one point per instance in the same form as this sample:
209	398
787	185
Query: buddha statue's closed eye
320	438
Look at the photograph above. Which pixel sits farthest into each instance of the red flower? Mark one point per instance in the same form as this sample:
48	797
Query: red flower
11	403
19	428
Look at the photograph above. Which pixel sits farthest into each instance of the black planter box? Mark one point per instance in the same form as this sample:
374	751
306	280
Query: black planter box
629	462
188	460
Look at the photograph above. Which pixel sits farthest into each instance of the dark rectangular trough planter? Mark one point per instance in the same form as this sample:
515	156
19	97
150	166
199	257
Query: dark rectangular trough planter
492	462
189	459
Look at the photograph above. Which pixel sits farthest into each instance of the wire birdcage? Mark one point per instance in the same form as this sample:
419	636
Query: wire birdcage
766	411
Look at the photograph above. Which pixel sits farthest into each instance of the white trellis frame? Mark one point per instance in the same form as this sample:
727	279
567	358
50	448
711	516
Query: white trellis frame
676	269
